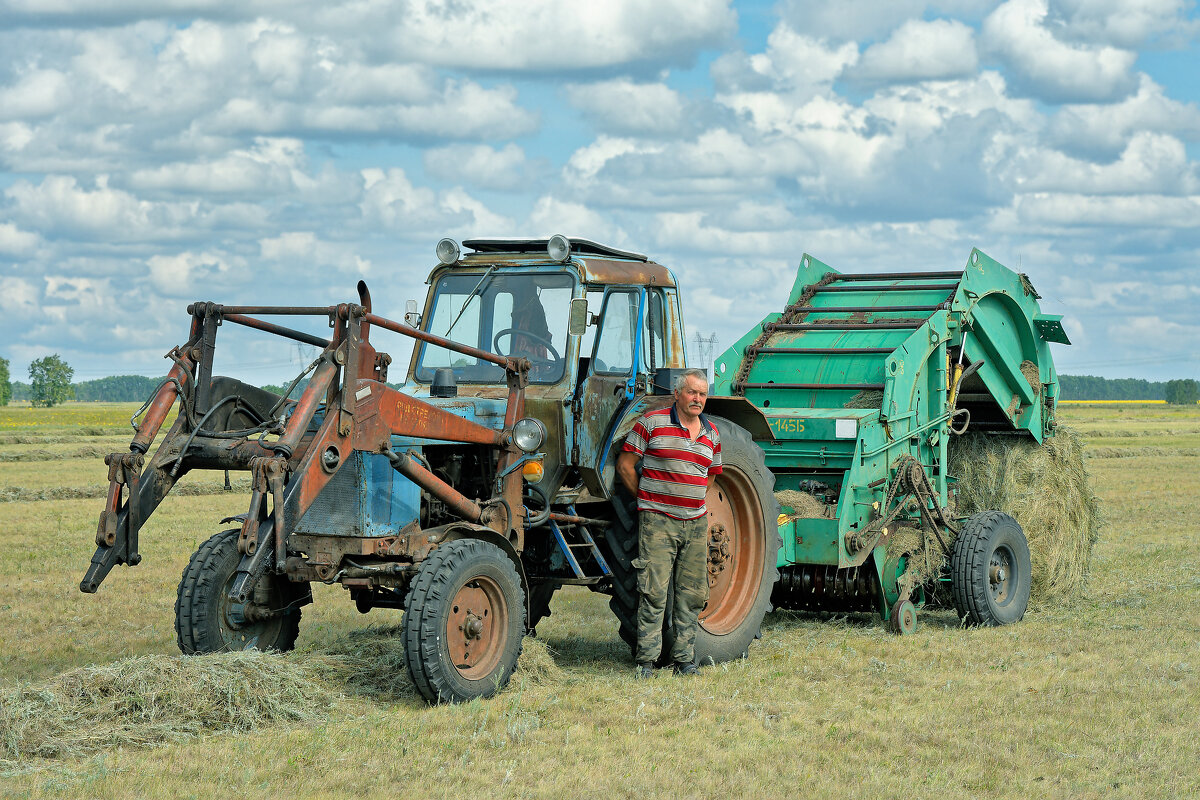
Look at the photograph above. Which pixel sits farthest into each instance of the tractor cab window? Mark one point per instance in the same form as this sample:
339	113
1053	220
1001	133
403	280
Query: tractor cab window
654	344
618	327
518	314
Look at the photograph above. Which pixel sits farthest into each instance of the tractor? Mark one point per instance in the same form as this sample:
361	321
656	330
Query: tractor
467	495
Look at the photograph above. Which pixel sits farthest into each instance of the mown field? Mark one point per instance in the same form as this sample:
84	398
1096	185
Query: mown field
1099	698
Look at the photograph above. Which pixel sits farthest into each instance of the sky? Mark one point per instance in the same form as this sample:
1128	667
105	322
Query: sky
158	152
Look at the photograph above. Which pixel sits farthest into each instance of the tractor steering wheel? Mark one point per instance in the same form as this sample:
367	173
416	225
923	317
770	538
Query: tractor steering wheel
532	337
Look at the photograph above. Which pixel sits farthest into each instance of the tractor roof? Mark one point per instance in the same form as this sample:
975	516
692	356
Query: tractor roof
598	263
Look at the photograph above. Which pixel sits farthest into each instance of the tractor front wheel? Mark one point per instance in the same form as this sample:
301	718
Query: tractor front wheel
990	574
463	622
207	621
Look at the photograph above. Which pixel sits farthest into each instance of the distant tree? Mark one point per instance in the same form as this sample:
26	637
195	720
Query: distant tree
5	386
1091	387
116	389
1184	392
50	381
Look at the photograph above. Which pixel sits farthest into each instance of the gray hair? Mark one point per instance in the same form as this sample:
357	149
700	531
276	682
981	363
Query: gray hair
681	380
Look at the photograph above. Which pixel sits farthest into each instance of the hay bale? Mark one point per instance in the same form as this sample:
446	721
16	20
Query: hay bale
803	504
149	700
1046	488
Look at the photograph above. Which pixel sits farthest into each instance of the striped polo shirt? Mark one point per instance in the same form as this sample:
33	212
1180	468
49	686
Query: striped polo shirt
675	468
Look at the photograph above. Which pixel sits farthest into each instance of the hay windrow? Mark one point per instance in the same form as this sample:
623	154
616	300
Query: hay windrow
148	700
1047	489
159	699
1030	372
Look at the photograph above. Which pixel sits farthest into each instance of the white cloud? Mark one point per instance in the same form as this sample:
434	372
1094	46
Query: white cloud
1042	209
1050	68
15	242
793	62
850	19
479	165
550	35
920	50
188	273
1103	130
297	249
38	93
1152	163
621	106
1125	23
551	215
269	167
19	298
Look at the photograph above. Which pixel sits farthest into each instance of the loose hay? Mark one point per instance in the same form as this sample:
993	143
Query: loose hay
867	398
1046	488
150	700
803	504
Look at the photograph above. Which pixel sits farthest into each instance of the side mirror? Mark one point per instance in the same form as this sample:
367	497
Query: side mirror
577	319
410	314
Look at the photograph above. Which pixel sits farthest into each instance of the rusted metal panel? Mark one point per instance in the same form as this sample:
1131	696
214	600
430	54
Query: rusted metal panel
383	412
625	273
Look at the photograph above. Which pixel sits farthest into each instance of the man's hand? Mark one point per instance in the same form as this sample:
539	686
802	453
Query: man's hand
627	471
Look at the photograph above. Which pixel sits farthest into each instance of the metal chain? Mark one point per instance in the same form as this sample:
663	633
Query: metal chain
792	313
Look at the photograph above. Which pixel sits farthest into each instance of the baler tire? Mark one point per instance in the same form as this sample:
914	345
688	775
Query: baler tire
990	541
206	619
477	568
745	459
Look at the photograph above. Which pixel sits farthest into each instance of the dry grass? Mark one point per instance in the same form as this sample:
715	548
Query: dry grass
1047	489
1095	698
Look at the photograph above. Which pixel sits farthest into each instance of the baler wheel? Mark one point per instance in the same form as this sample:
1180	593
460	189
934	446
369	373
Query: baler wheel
990	573
904	618
743	515
207	621
463	622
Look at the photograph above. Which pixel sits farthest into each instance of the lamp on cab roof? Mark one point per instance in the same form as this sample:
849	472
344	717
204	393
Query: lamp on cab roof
447	251
558	248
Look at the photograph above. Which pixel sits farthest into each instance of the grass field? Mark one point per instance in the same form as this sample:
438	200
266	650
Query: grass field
1097	699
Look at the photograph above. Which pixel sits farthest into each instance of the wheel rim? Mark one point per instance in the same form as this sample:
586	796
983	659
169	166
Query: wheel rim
477	627
238	632
1001	580
735	571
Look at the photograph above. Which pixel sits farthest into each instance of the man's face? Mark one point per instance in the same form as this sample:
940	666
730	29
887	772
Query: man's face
691	396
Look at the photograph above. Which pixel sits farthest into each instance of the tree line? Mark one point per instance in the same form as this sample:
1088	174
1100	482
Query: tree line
50	384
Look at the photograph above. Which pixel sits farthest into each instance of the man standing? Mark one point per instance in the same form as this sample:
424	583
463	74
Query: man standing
681	453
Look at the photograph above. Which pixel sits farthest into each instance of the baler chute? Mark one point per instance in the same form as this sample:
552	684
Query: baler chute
864	378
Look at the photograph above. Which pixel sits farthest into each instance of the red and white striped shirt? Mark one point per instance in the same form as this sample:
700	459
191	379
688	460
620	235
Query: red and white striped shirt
675	467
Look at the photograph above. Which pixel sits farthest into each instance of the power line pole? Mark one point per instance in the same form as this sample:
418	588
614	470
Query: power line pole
705	347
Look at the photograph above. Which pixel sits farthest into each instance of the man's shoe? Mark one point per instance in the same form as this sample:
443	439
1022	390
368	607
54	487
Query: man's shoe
686	668
643	672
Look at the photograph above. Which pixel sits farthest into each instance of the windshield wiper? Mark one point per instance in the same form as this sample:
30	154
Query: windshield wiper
472	293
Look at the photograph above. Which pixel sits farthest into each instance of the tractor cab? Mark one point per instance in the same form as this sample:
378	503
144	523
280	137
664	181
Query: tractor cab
601	328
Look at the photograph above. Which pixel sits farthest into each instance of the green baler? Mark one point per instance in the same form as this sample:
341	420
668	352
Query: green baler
864	378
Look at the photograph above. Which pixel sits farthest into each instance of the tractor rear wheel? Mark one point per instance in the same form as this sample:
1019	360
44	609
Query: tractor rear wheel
743	551
207	621
463	622
990	573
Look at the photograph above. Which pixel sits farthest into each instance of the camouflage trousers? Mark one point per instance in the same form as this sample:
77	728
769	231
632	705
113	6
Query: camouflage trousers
667	548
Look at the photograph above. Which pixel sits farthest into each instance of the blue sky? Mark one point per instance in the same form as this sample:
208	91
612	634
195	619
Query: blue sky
163	151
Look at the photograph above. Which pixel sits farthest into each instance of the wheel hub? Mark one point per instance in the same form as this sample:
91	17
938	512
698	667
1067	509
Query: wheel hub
999	573
718	551
476	627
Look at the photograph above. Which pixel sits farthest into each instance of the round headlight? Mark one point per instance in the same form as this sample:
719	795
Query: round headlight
559	247
447	251
529	434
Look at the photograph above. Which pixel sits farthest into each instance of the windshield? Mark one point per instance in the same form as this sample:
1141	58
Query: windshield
522	314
